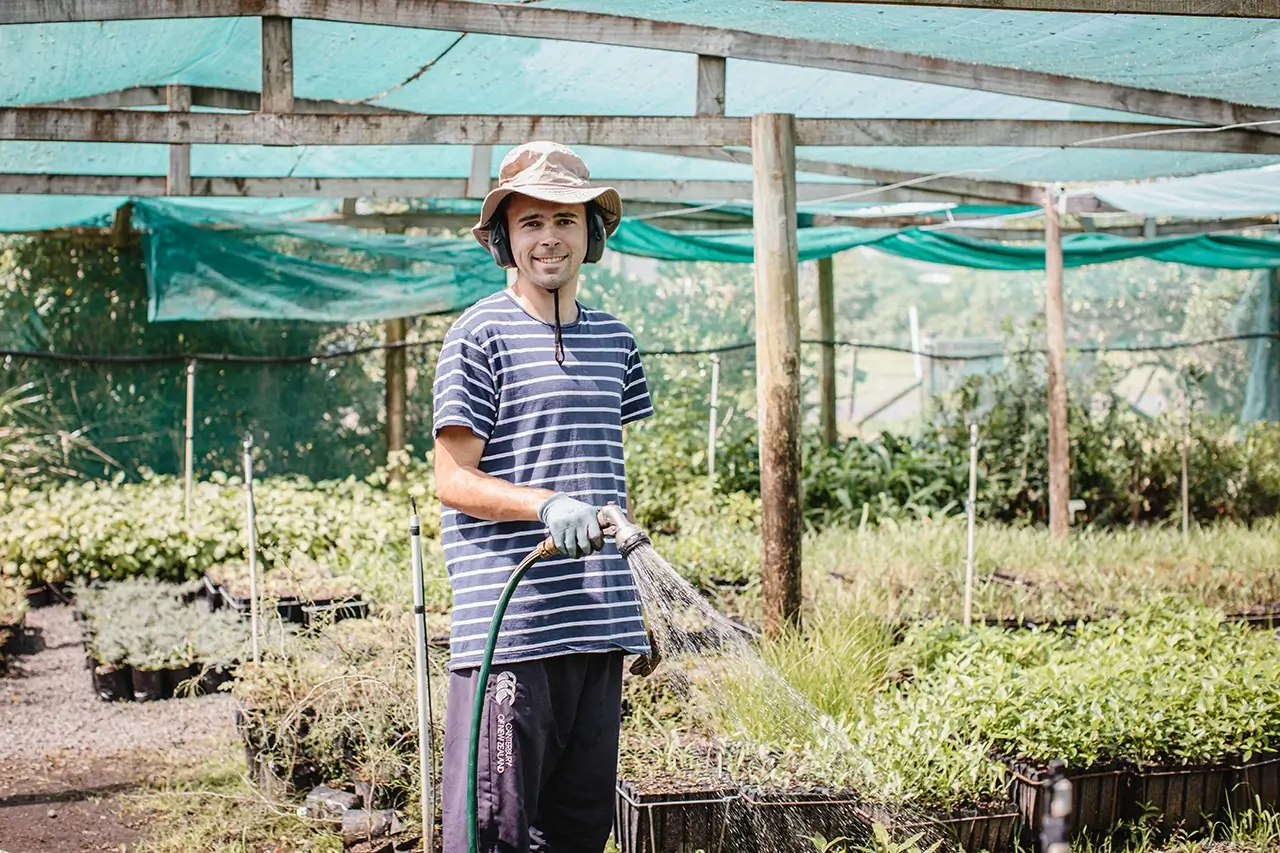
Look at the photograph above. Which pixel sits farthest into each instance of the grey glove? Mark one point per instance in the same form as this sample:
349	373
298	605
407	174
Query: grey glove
574	525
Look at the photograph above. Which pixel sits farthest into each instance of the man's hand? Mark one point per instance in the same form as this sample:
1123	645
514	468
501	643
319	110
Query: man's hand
646	664
574	525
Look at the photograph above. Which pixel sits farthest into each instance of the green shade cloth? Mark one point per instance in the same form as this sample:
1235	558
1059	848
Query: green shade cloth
946	247
218	265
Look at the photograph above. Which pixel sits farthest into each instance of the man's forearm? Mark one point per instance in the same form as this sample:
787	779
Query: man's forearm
482	495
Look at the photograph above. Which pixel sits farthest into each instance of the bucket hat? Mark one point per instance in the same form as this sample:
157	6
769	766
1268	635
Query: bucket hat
550	172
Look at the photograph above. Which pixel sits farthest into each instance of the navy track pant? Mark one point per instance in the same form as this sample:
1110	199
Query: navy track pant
548	755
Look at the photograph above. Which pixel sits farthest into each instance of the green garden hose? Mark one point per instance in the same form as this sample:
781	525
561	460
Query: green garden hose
626	536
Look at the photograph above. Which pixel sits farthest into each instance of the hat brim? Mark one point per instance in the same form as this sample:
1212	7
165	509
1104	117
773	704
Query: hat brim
606	199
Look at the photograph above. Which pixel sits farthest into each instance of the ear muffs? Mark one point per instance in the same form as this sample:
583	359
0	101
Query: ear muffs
500	238
595	234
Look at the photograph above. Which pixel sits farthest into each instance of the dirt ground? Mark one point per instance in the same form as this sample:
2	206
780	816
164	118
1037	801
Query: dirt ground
67	759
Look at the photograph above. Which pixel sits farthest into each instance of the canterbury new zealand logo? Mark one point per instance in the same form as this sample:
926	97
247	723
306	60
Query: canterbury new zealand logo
504	689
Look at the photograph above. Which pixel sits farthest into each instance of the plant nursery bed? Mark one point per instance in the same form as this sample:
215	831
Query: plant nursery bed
671	818
127	684
1255	784
1099	795
1185	796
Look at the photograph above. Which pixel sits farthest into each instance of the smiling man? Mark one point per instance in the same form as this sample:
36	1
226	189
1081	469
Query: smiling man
531	394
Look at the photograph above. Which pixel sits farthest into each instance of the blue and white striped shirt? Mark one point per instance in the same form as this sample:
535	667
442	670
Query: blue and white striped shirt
548	426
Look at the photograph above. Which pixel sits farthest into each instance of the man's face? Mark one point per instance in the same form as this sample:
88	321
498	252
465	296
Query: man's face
548	240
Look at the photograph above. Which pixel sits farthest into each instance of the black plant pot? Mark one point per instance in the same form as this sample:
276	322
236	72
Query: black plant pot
211	679
150	685
39	595
175	677
112	683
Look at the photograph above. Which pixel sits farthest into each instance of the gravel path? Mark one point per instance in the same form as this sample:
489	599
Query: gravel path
48	706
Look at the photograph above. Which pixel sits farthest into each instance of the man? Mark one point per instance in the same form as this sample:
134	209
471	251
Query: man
531	393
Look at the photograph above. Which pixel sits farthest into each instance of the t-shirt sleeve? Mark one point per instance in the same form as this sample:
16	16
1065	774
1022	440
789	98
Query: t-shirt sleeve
636	404
465	393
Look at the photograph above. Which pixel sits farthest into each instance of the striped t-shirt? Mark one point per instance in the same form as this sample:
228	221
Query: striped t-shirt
550	426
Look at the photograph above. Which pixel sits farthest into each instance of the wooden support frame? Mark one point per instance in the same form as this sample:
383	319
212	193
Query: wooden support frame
378	187
277	65
1180	8
709	100
480	178
827	359
1055	334
178	180
54	124
773	140
533	21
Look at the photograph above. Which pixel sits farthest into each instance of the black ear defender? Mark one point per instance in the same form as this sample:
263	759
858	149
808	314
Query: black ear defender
595	234
500	237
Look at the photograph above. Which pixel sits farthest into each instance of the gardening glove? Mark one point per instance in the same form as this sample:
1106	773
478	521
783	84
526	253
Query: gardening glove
574	525
646	664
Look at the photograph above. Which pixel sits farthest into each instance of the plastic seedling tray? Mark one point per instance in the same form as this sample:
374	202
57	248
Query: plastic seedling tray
1255	783
289	609
673	821
1180	796
334	610
782	819
1099	796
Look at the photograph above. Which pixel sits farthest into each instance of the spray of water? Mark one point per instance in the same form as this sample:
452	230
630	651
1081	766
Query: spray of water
771	732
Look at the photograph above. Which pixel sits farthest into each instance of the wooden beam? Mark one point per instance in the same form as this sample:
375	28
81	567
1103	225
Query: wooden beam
215	98
480	178
534	21
277	64
178	183
378	187
827	362
1003	191
51	124
1186	8
709	100
773	140
1055	331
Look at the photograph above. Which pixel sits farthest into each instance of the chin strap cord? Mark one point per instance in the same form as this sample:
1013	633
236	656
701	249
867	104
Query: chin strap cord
555	299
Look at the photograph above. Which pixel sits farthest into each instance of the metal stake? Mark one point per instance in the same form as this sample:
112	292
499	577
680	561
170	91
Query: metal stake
711	426
426	731
189	463
253	546
971	510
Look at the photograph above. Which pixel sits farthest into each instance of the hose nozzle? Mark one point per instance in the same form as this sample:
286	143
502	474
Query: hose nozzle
627	536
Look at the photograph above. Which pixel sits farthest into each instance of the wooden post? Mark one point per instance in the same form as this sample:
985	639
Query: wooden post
710	91
479	178
277	65
1186	447
1055	323
122	225
827	365
178	179
397	386
714	417
773	158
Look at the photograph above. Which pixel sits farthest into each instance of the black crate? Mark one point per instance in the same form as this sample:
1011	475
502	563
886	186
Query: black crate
1099	795
1187	796
1254	783
995	830
673	821
783	820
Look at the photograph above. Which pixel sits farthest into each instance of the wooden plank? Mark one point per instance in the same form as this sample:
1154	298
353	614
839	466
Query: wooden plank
480	178
773	140
277	65
378	187
533	21
709	100
1003	191
214	97
1055	333
827	361
178	183
396	387
86	125
1186	8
